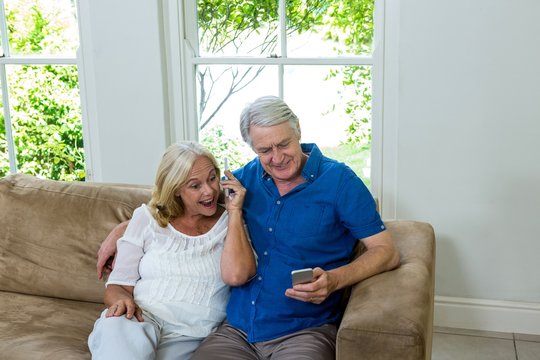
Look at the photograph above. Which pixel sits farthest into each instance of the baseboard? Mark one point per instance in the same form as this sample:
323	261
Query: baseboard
488	315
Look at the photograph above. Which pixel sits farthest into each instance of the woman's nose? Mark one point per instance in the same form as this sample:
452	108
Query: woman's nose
207	189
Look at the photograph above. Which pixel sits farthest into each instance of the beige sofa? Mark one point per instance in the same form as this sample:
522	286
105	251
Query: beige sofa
50	297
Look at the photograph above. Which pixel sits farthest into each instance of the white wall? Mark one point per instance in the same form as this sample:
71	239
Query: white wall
461	131
123	93
468	131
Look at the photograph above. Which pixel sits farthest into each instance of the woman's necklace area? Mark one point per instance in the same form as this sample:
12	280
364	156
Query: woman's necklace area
193	228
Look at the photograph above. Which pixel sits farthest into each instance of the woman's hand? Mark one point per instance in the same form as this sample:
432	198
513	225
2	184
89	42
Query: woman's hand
119	299
125	306
235	200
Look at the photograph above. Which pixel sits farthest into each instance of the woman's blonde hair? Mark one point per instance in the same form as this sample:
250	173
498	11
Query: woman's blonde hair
172	173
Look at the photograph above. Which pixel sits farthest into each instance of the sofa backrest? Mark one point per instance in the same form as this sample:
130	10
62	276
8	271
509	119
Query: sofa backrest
50	232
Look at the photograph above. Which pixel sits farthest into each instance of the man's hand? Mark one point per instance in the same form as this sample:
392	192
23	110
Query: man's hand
107	250
380	255
316	291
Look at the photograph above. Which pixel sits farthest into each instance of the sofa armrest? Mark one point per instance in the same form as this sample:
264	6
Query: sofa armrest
390	315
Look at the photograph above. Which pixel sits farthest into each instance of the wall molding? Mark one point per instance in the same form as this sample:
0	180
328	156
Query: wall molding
488	315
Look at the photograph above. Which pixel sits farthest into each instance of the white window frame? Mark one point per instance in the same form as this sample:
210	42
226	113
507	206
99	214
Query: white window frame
180	33
7	59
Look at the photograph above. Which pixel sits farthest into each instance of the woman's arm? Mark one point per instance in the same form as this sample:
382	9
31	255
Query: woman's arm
119	292
237	260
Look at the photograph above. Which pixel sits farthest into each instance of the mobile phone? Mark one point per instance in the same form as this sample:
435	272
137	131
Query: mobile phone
302	276
227	192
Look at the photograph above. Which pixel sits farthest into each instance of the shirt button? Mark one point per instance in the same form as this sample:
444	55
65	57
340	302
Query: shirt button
260	278
253	303
312	175
278	202
266	253
270	229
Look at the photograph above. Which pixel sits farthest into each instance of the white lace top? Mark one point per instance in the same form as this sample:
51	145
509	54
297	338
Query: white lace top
176	276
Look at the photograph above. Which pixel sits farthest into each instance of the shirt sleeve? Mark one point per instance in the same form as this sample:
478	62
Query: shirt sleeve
357	208
130	251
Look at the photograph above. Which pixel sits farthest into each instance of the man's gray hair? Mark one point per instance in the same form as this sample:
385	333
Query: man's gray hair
267	111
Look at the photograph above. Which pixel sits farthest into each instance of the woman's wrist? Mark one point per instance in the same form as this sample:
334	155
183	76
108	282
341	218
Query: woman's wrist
235	211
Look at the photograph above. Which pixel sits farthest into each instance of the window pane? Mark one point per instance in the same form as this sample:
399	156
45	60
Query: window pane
322	28
42	27
222	93
333	104
46	120
237	27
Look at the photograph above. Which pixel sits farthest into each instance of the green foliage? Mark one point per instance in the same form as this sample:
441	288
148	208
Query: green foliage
357	99
32	43
228	24
225	26
214	139
356	156
46	119
351	22
225	23
44	99
44	27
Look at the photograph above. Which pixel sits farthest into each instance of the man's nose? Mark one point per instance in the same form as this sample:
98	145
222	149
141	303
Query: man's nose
277	155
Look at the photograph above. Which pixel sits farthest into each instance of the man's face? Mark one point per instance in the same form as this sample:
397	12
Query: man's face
278	148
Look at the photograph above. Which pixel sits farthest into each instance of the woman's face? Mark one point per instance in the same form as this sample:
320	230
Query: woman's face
200	193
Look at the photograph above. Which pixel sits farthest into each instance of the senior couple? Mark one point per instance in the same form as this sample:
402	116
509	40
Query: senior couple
200	276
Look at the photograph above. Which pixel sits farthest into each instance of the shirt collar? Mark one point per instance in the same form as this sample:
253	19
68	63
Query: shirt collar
311	168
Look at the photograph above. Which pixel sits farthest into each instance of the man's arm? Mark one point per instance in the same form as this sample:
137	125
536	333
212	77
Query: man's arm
107	250
380	255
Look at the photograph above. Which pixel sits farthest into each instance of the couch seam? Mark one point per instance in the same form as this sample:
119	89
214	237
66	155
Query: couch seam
74	195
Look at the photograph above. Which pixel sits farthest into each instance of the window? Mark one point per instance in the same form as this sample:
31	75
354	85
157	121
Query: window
318	55
41	126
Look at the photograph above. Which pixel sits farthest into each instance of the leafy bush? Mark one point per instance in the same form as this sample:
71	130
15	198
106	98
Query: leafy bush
214	139
44	99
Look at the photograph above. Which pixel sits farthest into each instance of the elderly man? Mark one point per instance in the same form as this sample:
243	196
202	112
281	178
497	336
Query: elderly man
302	210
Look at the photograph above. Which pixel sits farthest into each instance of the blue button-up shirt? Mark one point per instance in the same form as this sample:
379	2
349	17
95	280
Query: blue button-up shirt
317	224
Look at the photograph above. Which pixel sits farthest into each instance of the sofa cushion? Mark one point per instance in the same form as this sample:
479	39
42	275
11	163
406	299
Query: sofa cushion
35	327
51	231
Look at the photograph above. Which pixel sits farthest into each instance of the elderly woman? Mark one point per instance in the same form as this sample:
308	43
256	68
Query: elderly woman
168	289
